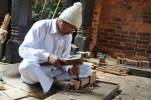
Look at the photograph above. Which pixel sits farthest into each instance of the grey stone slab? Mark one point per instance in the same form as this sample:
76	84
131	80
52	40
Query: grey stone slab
102	91
141	98
145	94
10	75
138	71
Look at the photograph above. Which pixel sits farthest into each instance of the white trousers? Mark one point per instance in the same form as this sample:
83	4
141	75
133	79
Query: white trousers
31	73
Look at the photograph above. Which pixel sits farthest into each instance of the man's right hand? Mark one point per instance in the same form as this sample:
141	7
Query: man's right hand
54	60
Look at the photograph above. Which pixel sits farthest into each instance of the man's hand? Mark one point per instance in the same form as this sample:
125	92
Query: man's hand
54	60
74	70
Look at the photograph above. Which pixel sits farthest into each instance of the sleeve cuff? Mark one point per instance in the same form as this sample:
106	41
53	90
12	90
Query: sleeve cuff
45	56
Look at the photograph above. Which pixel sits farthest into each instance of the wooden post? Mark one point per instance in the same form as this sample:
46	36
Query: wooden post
20	24
82	40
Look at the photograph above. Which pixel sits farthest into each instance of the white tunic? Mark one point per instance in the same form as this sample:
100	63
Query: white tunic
41	41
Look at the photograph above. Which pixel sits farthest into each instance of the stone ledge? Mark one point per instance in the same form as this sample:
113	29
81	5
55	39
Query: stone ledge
137	71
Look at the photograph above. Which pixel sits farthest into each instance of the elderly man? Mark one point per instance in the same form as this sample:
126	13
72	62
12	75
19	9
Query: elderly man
50	41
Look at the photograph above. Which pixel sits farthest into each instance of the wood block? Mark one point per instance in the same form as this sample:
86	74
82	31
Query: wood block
132	62
84	82
94	72
101	60
118	60
76	83
77	61
84	54
139	64
115	70
92	79
124	60
145	64
92	60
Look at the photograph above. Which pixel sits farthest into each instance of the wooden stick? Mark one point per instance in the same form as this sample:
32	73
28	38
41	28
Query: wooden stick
43	9
56	9
6	22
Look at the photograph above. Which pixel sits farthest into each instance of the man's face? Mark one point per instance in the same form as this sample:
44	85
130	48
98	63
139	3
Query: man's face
65	28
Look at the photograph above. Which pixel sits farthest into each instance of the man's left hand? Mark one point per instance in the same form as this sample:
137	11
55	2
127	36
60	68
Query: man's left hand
74	70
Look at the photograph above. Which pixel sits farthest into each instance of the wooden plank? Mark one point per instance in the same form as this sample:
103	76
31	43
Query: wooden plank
76	61
91	60
84	54
115	70
131	62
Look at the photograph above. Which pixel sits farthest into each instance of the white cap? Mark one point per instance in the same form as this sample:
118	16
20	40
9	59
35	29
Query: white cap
73	15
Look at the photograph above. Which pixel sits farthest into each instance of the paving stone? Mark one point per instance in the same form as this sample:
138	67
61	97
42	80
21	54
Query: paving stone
15	93
146	94
141	98
3	96
147	89
130	91
30	98
125	97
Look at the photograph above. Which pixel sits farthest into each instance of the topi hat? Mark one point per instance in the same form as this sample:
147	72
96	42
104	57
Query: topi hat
73	15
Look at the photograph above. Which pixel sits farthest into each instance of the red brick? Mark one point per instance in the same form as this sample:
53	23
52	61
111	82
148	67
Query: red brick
143	54
130	45
145	28
127	23
138	57
147	7
118	55
143	46
145	38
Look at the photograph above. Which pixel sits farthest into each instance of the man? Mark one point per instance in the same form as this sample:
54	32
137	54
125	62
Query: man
50	41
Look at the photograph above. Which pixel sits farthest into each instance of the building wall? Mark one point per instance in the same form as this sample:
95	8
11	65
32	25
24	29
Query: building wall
123	28
3	9
95	23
